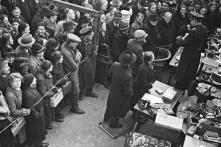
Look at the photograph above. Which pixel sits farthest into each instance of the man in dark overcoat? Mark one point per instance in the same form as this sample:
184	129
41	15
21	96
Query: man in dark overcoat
193	44
120	78
112	35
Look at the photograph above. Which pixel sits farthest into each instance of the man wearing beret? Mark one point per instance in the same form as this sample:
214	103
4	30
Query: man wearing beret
193	43
87	68
71	61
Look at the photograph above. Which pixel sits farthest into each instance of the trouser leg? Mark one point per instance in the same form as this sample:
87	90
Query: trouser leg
48	114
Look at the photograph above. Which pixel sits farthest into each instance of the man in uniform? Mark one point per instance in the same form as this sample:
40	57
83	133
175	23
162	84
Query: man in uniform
71	61
87	68
193	43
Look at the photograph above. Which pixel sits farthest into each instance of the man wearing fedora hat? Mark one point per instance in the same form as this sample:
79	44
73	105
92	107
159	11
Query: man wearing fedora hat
112	34
25	43
193	43
87	68
71	61
37	56
120	79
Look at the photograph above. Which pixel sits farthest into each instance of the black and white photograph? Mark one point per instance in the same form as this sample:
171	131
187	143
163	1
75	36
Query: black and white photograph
110	73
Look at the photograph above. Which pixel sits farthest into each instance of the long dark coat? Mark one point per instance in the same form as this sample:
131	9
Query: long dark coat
113	35
142	83
36	120
190	58
120	91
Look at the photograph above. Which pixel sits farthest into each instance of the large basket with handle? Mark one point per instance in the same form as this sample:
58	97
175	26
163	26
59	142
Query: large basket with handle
162	55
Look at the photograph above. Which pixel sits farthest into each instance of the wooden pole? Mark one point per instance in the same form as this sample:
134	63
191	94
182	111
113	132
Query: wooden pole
73	6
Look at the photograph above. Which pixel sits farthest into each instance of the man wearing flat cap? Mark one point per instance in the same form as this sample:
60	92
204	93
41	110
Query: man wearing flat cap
193	43
71	61
87	68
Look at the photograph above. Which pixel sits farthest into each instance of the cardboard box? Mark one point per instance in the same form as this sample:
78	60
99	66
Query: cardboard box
169	121
56	99
169	95
18	125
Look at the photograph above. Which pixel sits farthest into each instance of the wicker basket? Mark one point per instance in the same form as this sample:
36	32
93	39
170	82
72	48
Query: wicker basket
162	55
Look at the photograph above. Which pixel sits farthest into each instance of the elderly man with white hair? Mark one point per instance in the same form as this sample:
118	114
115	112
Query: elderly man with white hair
166	28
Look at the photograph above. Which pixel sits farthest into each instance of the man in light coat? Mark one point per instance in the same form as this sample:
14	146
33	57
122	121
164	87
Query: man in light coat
72	58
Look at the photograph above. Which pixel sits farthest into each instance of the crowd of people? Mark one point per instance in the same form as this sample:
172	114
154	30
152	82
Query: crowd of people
43	45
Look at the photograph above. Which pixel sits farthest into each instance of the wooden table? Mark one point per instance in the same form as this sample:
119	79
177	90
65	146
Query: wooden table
193	142
163	87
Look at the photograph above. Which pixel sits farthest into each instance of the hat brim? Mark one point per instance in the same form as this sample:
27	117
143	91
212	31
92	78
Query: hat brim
129	62
21	59
29	44
41	50
116	4
119	18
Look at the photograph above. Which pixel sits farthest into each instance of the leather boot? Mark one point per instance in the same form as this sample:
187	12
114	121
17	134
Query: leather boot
77	110
90	93
75	107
